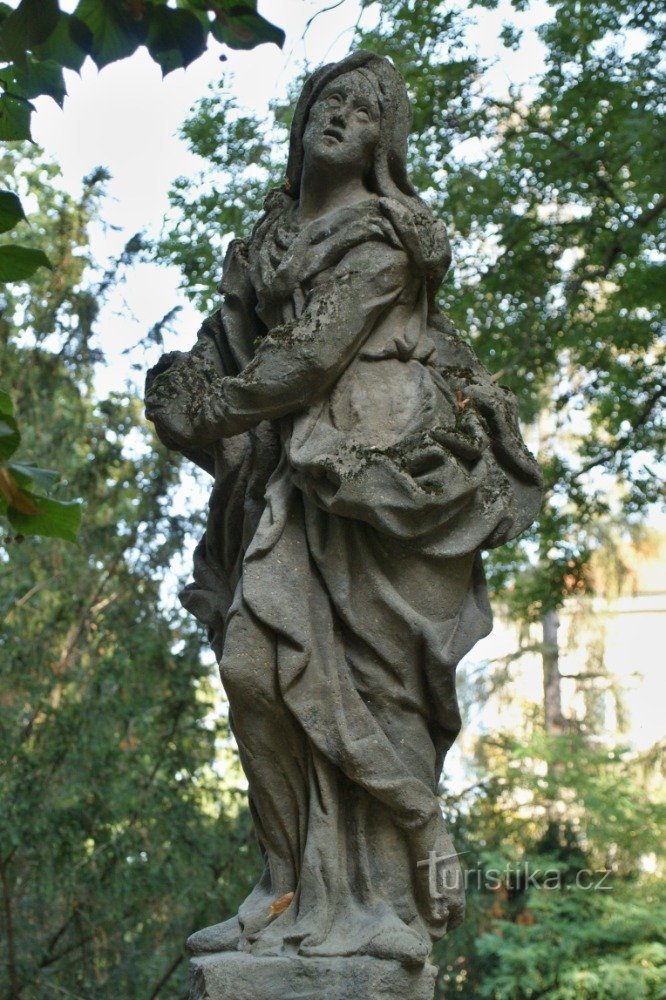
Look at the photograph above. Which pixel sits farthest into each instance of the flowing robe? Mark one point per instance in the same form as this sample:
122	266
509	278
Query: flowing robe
362	459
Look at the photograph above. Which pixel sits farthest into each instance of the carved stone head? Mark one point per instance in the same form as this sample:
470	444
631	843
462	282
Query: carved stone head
361	82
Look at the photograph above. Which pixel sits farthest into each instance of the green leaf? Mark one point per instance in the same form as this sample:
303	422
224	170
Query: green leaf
11	210
30	24
10	438
175	38
28	475
56	518
37	78
68	45
14	493
241	27
6	405
115	34
14	118
17	263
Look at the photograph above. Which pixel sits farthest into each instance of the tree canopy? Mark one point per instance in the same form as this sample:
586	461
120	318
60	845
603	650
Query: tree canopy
116	841
553	194
37	42
118	832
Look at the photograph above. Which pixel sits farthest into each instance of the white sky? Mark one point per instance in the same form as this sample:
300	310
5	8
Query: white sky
126	118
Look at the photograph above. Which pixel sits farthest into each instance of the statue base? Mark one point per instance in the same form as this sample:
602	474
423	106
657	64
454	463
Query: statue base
239	976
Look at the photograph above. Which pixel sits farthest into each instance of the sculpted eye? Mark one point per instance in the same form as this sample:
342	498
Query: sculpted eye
363	113
335	99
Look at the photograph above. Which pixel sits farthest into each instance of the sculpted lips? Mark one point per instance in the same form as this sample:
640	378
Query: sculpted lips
334	133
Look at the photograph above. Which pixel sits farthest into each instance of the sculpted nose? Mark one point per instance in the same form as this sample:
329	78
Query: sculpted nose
339	118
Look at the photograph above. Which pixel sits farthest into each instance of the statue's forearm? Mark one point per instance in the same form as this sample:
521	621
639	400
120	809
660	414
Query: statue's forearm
298	362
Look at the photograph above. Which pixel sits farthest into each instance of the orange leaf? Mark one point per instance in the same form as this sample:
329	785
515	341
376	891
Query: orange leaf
14	494
281	904
460	399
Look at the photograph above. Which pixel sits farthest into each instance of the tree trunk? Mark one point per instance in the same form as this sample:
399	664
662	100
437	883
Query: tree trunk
552	693
9	921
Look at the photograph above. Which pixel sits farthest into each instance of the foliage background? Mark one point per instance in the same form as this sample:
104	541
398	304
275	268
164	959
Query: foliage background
122	821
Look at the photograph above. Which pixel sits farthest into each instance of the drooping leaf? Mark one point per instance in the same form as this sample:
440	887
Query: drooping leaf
115	33
11	211
68	45
17	263
10	437
28	475
36	78
14	118
54	518
30	24
175	38
14	494
242	27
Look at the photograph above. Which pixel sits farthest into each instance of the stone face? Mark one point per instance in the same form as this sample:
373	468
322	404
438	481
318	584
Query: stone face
236	976
362	458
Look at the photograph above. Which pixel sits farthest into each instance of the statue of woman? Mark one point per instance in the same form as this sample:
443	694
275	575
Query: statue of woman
362	459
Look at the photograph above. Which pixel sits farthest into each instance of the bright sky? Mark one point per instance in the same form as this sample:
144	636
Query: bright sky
126	118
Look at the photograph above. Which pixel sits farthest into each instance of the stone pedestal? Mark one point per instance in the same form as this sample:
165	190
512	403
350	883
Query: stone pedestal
238	976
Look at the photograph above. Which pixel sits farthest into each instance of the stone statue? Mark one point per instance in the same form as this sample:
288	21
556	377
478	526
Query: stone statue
362	458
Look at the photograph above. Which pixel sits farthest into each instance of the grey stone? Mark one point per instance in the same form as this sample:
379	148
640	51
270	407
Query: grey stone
362	458
237	976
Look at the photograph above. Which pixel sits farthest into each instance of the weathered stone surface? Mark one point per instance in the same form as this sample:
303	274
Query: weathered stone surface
362	460
236	976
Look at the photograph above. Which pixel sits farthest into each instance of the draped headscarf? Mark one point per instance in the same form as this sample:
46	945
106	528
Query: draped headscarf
388	174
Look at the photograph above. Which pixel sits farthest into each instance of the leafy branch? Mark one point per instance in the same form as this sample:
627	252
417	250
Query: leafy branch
28	511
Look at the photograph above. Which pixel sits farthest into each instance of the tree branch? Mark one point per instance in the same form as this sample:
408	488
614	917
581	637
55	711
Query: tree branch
164	979
540	129
621	442
11	946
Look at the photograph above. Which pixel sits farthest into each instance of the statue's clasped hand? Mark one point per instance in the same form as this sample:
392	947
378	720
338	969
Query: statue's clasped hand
167	400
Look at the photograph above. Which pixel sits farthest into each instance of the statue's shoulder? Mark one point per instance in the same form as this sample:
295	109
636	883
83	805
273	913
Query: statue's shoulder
277	201
277	206
421	233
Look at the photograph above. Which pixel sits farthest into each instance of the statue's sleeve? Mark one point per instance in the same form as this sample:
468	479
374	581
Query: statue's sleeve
300	360
224	346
